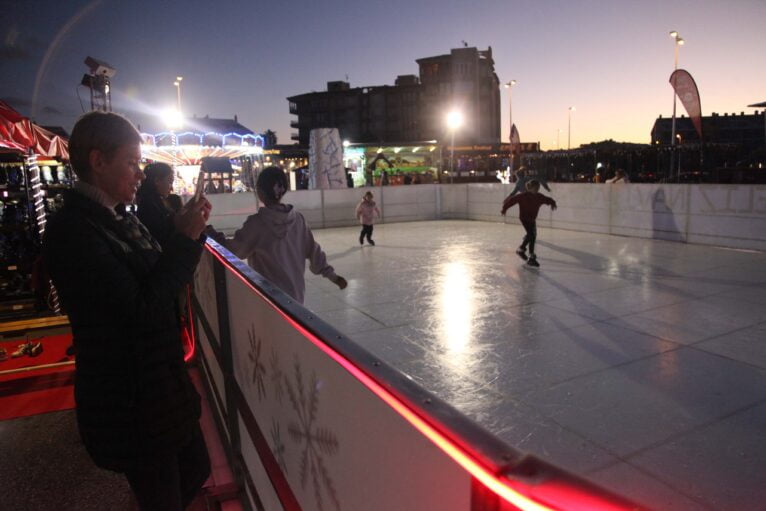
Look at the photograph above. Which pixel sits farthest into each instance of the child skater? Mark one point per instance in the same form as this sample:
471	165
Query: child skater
276	240
529	204
366	212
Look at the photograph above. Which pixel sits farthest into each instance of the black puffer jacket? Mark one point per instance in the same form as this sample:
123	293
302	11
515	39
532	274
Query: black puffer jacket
133	394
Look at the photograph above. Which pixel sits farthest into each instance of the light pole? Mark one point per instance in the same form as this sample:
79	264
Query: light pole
678	41
558	137
509	86
454	121
569	128
177	83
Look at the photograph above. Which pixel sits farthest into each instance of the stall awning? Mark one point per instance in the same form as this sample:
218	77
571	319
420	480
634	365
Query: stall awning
19	133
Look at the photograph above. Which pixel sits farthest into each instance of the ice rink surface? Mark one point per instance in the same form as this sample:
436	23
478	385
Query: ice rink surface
638	363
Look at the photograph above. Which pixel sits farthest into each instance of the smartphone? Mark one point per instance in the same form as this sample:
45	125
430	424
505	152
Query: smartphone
200	185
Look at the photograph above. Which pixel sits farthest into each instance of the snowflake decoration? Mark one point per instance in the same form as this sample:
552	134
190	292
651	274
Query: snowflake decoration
276	375
278	446
314	441
258	368
205	287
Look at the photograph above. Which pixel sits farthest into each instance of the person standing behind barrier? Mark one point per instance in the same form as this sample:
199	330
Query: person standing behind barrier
529	205
277	241
137	409
521	182
154	210
366	212
619	177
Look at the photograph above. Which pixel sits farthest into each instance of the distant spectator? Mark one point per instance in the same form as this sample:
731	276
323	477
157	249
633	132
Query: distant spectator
521	182
619	177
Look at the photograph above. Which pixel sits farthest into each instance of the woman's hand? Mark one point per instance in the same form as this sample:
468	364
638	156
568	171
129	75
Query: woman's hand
192	218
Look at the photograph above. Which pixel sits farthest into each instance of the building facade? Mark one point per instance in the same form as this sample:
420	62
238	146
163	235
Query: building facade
745	130
414	108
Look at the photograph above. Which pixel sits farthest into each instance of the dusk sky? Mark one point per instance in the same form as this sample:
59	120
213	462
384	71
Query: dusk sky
610	59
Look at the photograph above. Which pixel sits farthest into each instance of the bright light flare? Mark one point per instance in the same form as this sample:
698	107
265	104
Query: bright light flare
173	118
454	119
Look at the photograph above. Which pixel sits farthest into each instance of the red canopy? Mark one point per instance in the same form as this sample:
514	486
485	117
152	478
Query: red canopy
19	133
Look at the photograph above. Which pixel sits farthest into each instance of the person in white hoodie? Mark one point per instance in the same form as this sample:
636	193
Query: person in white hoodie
366	211
277	241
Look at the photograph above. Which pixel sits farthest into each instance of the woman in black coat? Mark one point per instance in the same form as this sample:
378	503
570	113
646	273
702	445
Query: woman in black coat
137	410
153	200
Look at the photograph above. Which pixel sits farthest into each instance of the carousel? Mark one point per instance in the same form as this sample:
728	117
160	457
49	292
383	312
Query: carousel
186	151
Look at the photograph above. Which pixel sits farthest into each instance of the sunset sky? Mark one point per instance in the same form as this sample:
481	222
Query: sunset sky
610	59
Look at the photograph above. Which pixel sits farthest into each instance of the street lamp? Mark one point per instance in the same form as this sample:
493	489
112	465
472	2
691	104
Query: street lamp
454	121
558	137
177	83
678	41
509	86
569	129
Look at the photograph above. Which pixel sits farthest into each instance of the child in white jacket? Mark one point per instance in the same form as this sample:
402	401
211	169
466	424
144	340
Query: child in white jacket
277	241
366	212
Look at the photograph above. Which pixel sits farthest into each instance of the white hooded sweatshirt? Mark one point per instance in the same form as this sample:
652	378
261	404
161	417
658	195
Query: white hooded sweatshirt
276	242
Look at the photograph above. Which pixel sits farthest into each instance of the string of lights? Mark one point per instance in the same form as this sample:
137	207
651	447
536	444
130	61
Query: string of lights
38	201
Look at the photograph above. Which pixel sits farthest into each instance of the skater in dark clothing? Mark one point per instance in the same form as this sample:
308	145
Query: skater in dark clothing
529	205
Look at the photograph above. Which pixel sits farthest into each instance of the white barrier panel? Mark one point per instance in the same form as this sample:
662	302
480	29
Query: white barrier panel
724	215
314	422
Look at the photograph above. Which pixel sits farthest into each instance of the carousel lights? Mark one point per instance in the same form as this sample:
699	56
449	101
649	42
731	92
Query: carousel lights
201	136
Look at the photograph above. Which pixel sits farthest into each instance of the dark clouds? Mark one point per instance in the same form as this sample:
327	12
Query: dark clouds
17	46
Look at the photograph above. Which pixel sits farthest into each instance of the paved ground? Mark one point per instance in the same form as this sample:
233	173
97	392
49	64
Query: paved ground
44	466
639	363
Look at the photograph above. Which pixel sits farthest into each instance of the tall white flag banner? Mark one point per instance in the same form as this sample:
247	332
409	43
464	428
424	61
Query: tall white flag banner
326	159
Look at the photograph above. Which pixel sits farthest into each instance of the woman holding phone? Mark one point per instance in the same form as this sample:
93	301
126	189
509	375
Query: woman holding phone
137	409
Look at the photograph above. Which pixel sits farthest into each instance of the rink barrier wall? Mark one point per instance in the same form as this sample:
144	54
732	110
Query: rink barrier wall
709	214
312	421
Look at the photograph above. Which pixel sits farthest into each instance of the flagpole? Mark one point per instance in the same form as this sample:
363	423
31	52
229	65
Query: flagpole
509	86
678	42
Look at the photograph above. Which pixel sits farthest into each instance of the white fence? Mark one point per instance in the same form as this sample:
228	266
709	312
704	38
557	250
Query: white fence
724	215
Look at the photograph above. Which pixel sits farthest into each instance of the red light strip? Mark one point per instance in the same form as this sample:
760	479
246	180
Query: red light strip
190	321
463	459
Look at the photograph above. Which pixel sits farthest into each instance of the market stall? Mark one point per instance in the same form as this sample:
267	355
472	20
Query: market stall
33	172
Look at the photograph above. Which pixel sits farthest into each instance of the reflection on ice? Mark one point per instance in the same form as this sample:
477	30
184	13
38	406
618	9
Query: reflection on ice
457	309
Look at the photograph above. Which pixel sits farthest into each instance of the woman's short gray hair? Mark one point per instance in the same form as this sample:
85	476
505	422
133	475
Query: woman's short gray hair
104	131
